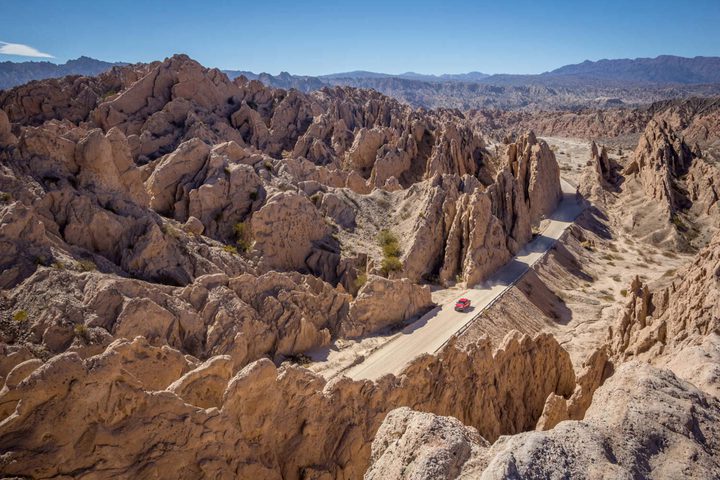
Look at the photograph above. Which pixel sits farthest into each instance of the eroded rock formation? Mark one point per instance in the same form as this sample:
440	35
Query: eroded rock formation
681	321
267	422
637	409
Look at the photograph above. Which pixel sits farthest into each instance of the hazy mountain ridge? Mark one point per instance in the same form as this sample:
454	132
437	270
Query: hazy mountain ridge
17	73
662	69
600	84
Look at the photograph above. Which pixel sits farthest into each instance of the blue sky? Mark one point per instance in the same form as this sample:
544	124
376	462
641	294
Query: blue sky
314	37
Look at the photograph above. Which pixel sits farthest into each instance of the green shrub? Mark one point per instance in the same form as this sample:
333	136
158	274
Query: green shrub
242	236
81	331
386	237
171	231
390	264
360	280
391	249
240	229
230	249
20	315
86	265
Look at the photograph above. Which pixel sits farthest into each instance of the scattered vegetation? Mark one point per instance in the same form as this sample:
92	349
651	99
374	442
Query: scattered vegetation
171	231
109	94
299	359
86	265
391	249
679	224
624	292
230	249
316	198
391	252
587	245
20	316
6	197
81	331
268	166
42	260
360	280
390	264
242	236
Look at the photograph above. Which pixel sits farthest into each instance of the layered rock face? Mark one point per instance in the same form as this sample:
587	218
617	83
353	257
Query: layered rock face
637	409
676	323
116	409
163	228
381	302
471	229
661	157
679	186
169	172
604	169
696	119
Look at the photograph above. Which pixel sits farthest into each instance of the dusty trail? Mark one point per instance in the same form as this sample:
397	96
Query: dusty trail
429	333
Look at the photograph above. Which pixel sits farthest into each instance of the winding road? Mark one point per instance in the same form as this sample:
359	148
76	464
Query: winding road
433	330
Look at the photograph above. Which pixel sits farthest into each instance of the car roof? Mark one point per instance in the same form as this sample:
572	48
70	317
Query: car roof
463	300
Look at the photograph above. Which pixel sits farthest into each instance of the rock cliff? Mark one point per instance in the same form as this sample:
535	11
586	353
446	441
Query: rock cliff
110	413
634	412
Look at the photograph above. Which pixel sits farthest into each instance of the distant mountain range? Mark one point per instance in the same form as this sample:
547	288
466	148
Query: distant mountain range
17	73
664	69
603	83
660	71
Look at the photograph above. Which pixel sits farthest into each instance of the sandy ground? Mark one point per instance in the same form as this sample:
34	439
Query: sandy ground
579	289
389	353
343	354
572	154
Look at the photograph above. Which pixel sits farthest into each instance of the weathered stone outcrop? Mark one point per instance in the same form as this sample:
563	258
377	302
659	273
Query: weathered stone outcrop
412	444
246	317
267	422
657	323
291	234
660	159
637	409
382	302
6	136
467	230
604	168
538	175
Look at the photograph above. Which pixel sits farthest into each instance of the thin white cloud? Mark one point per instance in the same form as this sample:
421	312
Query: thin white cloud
22	50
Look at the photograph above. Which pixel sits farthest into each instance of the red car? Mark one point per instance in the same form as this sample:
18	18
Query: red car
462	305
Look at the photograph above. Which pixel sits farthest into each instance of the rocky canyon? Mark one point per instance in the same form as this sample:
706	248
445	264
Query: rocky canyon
193	266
